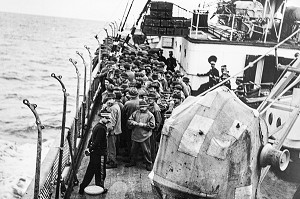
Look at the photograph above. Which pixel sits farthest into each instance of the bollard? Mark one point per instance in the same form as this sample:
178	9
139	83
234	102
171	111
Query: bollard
93	192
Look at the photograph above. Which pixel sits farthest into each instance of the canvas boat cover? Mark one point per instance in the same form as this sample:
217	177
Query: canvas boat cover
209	147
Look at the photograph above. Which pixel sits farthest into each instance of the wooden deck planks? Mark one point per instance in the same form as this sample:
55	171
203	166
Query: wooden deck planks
121	182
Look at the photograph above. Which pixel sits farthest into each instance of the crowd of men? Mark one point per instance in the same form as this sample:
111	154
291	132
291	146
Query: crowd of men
138	92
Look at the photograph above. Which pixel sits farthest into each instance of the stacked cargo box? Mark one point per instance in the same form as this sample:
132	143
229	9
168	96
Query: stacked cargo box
161	22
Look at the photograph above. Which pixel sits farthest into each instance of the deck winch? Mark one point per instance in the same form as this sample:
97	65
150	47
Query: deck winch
273	157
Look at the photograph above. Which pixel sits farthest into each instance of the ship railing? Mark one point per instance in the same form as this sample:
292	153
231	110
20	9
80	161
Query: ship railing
49	167
231	30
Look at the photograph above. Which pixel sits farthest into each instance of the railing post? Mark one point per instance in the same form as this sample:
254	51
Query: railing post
276	57
76	131
232	26
39	148
91	72
62	138
197	25
84	94
281	22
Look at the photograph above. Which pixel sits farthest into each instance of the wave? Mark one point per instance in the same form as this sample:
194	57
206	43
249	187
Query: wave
11	78
39	61
11	96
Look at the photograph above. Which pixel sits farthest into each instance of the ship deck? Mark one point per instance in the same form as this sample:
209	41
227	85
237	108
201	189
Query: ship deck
133	182
121	182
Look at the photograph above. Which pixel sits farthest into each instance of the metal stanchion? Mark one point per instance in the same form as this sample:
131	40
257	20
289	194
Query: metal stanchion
62	140
76	129
84	94
39	147
91	71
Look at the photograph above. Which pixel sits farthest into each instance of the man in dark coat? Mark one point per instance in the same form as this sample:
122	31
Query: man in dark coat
213	75
97	150
155	110
129	107
161	57
171	62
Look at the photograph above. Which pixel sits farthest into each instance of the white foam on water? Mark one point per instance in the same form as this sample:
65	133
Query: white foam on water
20	159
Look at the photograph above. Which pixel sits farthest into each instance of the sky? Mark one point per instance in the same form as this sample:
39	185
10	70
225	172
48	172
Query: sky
101	10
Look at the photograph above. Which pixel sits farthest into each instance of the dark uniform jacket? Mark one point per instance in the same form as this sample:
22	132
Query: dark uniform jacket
213	75
97	143
171	64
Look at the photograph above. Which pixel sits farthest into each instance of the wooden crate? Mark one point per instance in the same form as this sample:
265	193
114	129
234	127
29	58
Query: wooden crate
170	31
162	31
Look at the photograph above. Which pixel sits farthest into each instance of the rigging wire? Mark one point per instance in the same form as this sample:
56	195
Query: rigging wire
123	15
127	16
118	3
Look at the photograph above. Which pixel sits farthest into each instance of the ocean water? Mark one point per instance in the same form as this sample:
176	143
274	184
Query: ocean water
31	48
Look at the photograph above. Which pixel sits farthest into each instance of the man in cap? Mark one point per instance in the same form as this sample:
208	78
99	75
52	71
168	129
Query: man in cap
178	89
176	100
178	78
113	129
169	78
109	90
117	77
143	122
171	62
129	72
155	110
225	75
161	57
97	150
213	75
129	107
186	81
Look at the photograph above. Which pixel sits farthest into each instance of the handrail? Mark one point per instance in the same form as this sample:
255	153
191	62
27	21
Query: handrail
39	148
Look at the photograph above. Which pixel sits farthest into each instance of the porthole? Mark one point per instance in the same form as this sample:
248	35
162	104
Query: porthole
270	118
278	122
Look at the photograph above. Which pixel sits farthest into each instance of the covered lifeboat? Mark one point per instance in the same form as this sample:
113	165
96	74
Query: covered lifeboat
210	149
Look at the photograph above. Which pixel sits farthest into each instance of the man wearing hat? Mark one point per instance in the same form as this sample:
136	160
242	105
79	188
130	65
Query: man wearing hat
155	110
213	75
178	88
161	58
178	78
117	77
113	129
225	75
129	107
143	122
97	150
176	101
128	71
109	90
186	81
171	62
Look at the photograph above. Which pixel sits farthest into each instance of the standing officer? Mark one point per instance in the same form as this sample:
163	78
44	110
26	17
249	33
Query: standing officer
97	150
213	75
171	62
